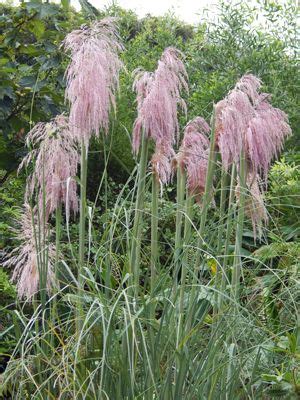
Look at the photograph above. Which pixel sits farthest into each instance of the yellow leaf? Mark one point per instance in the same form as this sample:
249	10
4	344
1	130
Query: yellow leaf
212	265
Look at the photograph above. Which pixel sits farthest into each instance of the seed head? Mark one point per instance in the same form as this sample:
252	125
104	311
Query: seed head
158	98
265	135
24	258
245	120
55	157
92	76
193	154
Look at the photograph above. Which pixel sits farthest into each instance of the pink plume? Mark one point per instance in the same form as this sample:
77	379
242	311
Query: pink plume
92	76
55	157
232	118
24	258
265	135
158	98
161	163
246	120
193	154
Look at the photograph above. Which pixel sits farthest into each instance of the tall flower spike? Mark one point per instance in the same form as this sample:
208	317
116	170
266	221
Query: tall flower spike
24	258
232	118
265	135
193	154
141	85
158	96
246	119
56	159
92	76
161	163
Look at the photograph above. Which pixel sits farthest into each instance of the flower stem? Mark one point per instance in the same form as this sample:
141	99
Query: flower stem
57	241
237	265
186	240
154	231
181	181
82	220
154	266
58	218
230	211
82	223
134	266
221	229
207	196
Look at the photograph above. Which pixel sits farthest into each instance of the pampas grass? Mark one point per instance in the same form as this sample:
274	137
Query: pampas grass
169	320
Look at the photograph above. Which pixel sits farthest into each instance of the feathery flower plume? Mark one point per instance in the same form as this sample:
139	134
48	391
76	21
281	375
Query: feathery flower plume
161	163
219	108
193	154
24	258
265	135
246	120
250	85
233	115
92	76
141	85
56	159
158	97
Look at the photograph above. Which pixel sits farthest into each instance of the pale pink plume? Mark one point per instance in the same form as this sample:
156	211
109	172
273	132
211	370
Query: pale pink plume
233	115
250	85
245	120
55	157
246	123
92	76
265	135
141	85
24	258
161	163
158	97
193	154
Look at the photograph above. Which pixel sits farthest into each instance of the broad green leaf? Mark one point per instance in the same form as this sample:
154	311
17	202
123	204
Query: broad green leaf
27	81
65	4
48	10
6	91
37	27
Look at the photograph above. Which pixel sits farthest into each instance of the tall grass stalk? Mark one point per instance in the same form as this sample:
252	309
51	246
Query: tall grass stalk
82	217
58	227
222	227
188	222
208	193
43	248
58	220
237	265
229	226
185	259
206	200
154	257
82	226
183	231
135	254
181	183
154	230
